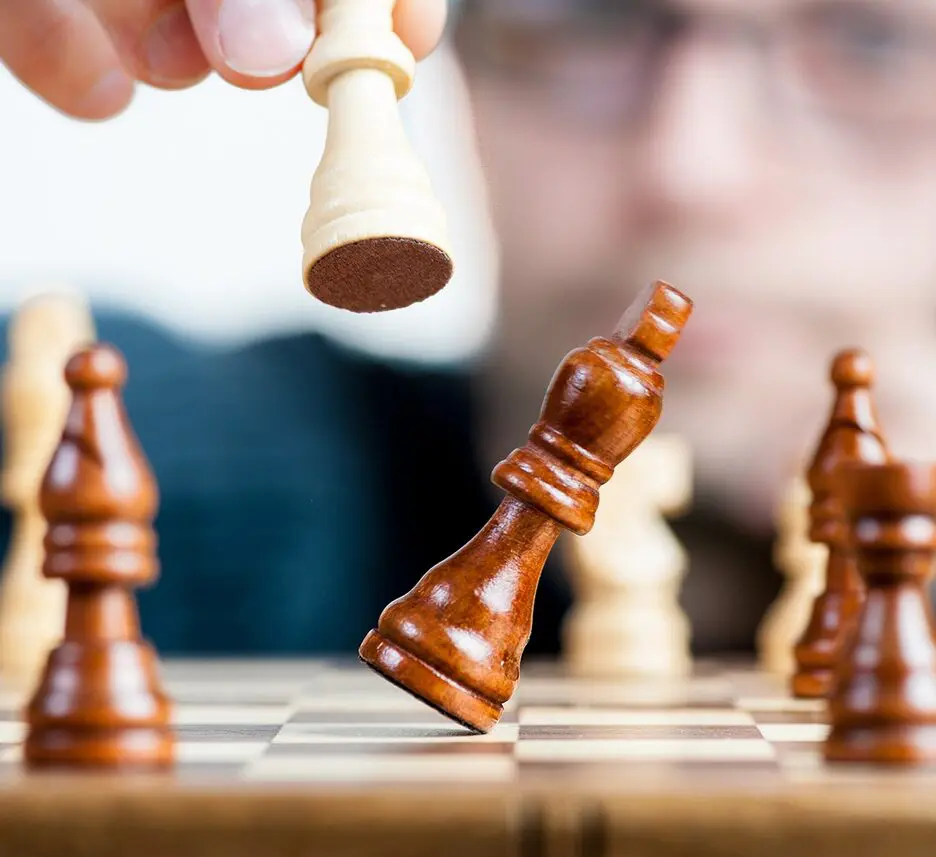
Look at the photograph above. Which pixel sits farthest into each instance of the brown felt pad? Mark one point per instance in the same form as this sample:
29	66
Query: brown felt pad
379	274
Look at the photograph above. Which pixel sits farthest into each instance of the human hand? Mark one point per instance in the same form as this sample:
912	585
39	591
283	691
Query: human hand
85	56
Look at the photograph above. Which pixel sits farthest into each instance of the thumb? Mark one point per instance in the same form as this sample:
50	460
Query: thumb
254	44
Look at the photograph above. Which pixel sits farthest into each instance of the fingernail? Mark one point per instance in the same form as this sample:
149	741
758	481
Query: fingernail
170	48
265	38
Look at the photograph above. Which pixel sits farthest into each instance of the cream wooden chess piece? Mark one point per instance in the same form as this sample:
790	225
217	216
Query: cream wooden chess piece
374	236
802	563
42	336
627	572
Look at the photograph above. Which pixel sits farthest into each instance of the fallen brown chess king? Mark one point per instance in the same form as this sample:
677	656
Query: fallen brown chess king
455	641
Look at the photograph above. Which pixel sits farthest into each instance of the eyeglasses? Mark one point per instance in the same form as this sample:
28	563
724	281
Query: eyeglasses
867	64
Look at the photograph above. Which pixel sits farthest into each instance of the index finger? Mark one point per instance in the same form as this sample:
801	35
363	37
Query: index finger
420	24
60	50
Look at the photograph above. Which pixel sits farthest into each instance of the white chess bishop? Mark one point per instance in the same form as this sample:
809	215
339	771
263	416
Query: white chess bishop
42	336
628	570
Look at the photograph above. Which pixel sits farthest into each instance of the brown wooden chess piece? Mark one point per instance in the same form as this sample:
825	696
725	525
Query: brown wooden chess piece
456	639
852	435
99	702
883	705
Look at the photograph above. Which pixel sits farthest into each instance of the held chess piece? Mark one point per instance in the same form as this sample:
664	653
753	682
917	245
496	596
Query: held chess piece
852	435
456	639
99	702
374	237
883	706
626	573
802	564
43	334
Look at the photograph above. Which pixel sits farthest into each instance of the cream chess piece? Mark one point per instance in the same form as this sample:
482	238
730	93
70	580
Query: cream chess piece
42	335
374	236
627	572
802	563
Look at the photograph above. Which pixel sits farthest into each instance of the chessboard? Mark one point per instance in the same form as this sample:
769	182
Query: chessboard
726	749
334	722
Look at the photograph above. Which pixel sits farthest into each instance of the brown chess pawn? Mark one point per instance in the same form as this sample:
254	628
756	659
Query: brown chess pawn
455	640
852	435
883	705
99	702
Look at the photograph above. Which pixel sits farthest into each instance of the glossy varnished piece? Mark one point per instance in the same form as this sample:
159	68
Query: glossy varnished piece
883	704
852	435
456	640
99	702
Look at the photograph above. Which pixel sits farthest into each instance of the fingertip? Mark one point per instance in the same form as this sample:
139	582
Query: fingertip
254	83
170	54
254	45
420	24
107	98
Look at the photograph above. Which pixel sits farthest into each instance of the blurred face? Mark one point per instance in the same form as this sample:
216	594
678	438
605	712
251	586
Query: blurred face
776	161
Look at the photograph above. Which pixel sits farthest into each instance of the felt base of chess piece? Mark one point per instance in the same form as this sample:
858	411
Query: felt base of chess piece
379	274
883	706
456	639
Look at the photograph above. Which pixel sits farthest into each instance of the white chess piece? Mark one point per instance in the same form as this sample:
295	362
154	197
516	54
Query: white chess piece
369	183
42	336
627	571
802	564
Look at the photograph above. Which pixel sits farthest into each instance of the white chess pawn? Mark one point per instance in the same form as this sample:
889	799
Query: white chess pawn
42	335
802	564
628	570
375	236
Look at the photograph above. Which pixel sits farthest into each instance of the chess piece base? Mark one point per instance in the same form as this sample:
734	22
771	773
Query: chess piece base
812	684
900	744
102	748
377	274
99	705
429	685
602	640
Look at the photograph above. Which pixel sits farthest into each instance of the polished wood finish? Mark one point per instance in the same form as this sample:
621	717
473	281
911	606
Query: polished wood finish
883	705
99	701
851	435
363	788
108	818
456	639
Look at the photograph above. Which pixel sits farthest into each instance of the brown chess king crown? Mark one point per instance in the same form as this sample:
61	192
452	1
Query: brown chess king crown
99	702
456	639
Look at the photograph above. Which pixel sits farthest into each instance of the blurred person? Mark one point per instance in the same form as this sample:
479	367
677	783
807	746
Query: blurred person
776	163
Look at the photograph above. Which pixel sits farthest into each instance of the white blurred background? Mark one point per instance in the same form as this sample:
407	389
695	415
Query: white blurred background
188	206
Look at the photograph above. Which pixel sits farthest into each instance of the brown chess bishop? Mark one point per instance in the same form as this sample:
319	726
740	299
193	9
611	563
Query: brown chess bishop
99	702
